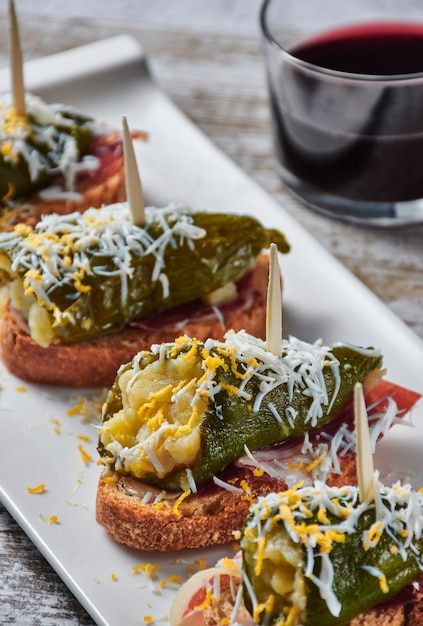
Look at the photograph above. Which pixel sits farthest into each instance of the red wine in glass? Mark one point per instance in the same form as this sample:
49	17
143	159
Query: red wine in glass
354	132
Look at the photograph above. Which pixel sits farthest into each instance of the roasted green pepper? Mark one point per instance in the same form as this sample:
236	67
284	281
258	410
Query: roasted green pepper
87	275
38	146
194	407
317	555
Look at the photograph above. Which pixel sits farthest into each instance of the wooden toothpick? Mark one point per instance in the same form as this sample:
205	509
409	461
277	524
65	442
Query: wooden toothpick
16	65
274	305
132	178
365	468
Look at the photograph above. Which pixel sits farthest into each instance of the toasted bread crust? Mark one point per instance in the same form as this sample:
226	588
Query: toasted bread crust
94	363
382	616
200	520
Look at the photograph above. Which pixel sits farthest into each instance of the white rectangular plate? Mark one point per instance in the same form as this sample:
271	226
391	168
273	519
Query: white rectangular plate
321	300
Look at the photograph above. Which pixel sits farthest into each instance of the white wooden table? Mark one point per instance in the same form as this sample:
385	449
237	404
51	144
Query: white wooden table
207	57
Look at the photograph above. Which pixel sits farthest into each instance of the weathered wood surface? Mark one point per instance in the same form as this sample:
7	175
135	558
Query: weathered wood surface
218	81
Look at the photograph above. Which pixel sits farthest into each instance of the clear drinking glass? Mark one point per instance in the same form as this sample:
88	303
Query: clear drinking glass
346	90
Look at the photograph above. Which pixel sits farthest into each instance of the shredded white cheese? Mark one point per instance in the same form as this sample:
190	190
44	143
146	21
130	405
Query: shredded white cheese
19	138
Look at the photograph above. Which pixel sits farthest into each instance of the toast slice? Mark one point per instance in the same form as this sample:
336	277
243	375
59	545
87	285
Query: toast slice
94	363
145	518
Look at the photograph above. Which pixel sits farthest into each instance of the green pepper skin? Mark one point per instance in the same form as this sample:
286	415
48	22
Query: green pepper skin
15	180
223	440
226	252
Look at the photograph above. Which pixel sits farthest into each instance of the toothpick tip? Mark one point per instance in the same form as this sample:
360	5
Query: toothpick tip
365	468
274	304
133	181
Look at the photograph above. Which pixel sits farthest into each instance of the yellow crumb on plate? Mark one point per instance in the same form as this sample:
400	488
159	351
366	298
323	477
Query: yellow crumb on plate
41	488
84	438
53	519
86	458
172	580
88	407
147	569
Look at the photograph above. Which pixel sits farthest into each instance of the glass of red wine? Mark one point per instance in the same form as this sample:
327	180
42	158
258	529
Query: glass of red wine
345	80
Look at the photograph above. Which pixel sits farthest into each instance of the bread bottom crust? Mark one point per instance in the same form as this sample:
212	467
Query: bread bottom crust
94	363
382	616
200	520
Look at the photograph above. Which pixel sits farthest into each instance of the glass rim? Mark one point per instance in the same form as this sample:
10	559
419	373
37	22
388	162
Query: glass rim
319	69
